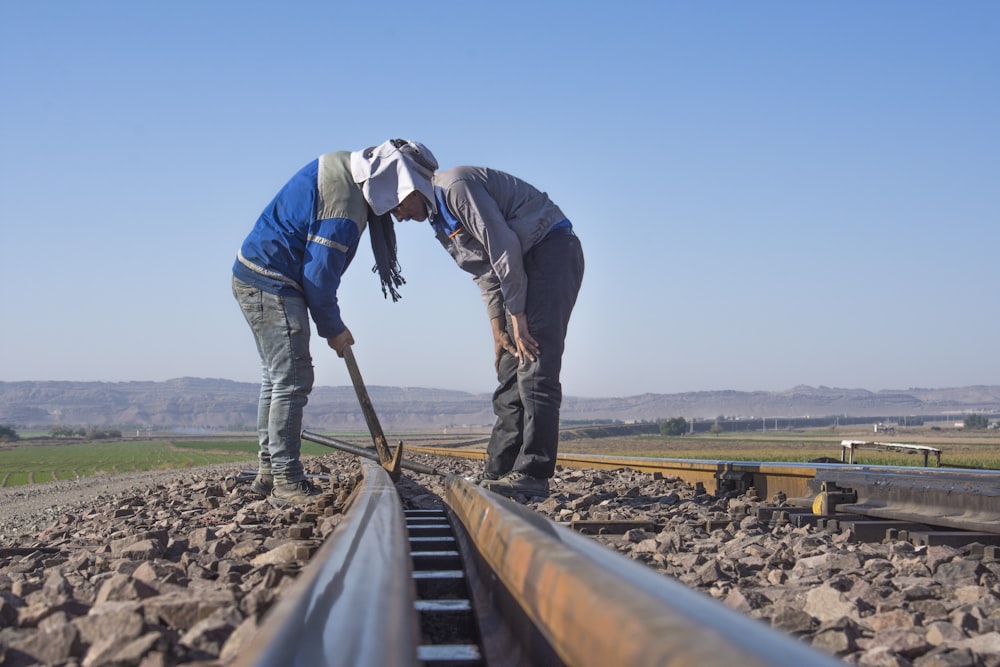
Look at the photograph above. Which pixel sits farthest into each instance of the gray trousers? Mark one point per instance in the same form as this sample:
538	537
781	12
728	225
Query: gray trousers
528	397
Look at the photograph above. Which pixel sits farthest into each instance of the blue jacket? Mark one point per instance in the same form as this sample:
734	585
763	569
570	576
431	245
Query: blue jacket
306	238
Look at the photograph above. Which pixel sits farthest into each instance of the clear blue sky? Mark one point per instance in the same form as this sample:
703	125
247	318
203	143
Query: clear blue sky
768	193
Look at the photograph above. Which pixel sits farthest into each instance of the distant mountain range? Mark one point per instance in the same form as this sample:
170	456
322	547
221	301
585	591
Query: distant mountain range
198	403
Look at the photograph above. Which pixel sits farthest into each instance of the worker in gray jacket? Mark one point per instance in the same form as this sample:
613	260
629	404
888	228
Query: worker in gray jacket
522	252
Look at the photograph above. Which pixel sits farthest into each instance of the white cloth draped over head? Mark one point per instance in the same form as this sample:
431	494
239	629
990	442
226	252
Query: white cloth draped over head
387	173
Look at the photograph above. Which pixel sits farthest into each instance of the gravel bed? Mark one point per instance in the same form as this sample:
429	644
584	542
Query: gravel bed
26	510
177	567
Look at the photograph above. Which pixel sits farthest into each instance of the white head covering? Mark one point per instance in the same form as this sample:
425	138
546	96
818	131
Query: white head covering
390	171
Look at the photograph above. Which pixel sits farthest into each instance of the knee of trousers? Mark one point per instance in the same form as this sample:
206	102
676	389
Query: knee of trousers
300	381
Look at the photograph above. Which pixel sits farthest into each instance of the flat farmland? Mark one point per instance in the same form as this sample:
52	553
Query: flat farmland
37	463
976	449
41	460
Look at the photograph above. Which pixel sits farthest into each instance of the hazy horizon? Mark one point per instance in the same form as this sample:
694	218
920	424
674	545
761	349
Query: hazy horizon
489	390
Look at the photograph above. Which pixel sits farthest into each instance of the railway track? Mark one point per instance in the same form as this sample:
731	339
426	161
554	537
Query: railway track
487	582
931	505
383	591
457	576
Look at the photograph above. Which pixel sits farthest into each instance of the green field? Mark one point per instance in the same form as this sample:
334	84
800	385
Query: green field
39	463
46	460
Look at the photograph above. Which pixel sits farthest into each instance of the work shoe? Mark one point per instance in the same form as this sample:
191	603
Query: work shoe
481	477
517	483
285	494
262	484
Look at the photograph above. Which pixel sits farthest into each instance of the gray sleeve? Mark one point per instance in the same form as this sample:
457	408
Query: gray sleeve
482	218
489	285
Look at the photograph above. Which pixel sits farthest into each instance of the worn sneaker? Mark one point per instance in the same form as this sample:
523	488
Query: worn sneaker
480	477
286	494
517	483
262	484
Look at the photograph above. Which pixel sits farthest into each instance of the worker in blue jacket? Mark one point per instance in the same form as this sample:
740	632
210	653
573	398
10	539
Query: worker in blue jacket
290	267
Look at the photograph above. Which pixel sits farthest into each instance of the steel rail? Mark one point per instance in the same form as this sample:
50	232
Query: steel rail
585	604
962	499
596	607
354	603
766	477
364	452
958	498
716	476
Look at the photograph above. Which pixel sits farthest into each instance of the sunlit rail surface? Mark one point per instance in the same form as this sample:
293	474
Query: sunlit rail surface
353	604
539	593
554	597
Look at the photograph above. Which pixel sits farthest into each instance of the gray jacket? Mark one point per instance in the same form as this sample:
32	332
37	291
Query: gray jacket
487	220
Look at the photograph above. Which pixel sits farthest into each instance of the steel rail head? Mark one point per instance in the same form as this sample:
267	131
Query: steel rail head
597	607
962	499
767	477
356	592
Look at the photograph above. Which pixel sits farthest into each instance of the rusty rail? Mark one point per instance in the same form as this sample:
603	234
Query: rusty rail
767	478
957	498
596	607
587	605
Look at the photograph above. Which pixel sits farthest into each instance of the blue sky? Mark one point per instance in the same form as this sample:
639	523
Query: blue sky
768	193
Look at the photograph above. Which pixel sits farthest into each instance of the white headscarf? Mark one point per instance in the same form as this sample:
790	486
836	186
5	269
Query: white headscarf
390	171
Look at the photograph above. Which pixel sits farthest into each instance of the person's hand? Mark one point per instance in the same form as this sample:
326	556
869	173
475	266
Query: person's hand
501	341
527	347
340	342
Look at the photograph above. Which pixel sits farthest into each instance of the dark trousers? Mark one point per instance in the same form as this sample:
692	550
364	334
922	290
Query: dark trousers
527	400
